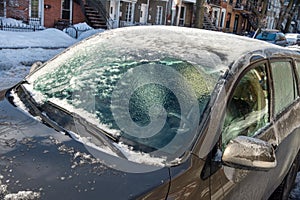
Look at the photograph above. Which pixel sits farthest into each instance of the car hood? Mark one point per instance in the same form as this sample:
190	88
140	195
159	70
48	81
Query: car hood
36	160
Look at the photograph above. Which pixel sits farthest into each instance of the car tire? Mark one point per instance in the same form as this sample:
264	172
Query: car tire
283	190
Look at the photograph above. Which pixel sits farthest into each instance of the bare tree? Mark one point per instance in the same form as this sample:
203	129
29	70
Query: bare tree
259	9
290	15
287	13
17	9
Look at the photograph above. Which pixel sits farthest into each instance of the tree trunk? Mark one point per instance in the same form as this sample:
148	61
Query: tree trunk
199	15
262	13
290	16
284	14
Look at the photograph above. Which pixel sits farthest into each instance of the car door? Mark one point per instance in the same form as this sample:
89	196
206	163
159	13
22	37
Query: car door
256	108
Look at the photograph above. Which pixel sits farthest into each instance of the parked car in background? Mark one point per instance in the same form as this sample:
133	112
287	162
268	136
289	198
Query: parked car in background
272	36
293	38
154	112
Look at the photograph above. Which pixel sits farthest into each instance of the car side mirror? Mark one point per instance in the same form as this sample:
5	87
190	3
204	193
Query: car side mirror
249	153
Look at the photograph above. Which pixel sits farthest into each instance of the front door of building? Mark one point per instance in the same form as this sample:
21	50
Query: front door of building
143	14
35	12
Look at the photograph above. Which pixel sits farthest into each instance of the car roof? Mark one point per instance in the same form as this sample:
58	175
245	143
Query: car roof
217	50
292	35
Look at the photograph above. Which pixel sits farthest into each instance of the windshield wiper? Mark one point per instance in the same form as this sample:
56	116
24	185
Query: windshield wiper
85	128
36	110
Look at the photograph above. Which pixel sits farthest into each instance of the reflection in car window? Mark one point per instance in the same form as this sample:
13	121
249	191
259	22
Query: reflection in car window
284	85
248	108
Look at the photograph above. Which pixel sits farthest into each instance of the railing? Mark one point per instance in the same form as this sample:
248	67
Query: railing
20	27
97	4
61	24
75	32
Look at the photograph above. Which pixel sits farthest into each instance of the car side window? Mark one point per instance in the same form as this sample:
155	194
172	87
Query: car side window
248	108
284	85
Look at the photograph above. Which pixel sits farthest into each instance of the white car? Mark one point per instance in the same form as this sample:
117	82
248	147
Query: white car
293	38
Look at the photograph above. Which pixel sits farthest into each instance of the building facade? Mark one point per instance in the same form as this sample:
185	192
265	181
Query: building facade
233	16
42	12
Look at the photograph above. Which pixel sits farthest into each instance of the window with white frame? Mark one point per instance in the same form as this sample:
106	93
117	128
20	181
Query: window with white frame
128	12
66	9
159	15
34	9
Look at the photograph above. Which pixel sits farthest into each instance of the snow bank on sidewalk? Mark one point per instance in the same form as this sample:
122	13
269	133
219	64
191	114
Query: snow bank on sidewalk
19	50
47	38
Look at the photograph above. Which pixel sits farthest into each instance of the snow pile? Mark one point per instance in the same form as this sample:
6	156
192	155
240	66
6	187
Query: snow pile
19	50
11	21
81	31
89	33
49	38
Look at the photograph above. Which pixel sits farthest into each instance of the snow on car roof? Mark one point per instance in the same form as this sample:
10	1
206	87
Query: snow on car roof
208	48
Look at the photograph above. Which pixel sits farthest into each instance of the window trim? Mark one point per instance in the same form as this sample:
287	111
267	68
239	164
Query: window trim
275	116
270	96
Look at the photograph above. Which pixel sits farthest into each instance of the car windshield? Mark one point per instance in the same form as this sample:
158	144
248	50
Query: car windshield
148	96
266	36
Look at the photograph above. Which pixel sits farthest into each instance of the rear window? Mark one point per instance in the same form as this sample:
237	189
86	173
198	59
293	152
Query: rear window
266	36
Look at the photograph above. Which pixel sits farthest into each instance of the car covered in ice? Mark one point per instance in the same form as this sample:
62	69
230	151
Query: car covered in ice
154	112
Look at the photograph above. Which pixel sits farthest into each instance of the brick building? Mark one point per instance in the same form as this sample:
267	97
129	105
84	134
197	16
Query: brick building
42	12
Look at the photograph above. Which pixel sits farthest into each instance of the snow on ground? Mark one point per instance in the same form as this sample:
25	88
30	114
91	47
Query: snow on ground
19	50
49	38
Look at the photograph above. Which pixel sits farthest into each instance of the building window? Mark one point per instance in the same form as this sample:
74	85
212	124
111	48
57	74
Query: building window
182	16
228	20
66	9
159	14
128	12
34	8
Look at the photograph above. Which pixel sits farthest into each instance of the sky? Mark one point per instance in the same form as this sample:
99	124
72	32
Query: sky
19	50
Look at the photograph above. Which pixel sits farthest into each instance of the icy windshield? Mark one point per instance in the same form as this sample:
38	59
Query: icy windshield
151	100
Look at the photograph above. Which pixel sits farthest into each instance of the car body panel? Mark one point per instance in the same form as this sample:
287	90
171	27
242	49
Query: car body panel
186	182
43	160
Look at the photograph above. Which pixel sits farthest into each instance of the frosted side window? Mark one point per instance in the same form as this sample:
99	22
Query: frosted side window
284	85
